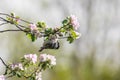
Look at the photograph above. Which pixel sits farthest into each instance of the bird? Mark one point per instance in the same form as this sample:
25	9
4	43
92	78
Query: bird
50	43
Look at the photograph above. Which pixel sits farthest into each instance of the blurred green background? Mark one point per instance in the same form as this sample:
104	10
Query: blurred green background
95	56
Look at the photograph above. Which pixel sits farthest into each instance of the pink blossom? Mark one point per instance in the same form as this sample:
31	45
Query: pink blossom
34	30
33	27
17	19
32	57
17	66
47	57
2	77
43	57
74	22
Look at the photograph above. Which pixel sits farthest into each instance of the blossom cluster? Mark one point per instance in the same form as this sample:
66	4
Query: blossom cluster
34	30
74	22
16	66
22	68
43	58
70	24
46	57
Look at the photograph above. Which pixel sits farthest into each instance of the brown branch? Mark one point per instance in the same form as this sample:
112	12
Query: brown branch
3	23
3	62
15	18
20	29
8	30
21	26
5	20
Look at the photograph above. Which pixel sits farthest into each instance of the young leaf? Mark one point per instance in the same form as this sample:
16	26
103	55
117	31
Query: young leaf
65	22
70	39
32	37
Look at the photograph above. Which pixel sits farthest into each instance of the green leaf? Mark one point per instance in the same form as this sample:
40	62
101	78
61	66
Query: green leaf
44	66
48	31
70	39
8	18
65	22
18	74
31	78
12	14
41	24
71	27
32	37
73	34
62	30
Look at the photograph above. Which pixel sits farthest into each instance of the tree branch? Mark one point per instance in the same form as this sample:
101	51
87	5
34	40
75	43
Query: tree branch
15	18
6	21
8	30
3	23
3	62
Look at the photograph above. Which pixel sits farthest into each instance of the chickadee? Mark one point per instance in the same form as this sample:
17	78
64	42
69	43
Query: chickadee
51	43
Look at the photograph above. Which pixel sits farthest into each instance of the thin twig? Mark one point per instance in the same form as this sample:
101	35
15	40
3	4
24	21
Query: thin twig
14	24
3	62
3	23
20	28
8	30
5	20
15	18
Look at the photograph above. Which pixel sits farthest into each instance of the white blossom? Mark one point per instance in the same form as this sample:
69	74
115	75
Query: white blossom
32	57
74	22
16	66
33	27
39	76
2	77
47	57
